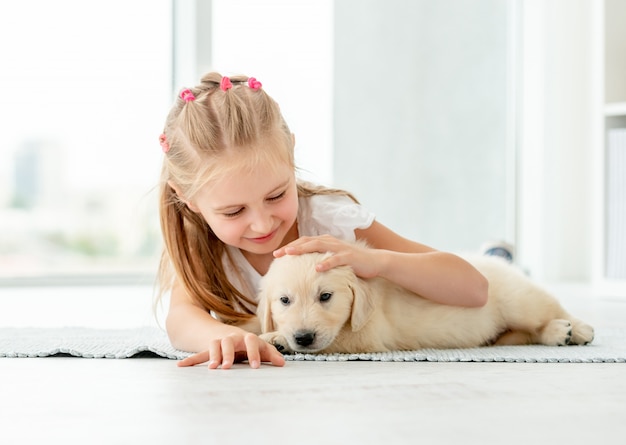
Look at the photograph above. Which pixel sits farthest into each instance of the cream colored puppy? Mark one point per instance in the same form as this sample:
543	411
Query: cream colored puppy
302	310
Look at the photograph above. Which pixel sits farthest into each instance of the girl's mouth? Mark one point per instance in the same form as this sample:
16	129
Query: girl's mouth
265	238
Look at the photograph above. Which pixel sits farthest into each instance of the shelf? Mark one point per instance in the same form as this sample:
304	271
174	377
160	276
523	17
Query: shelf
611	85
615	109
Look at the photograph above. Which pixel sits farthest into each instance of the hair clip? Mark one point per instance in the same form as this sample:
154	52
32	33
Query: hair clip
254	84
187	95
225	84
164	144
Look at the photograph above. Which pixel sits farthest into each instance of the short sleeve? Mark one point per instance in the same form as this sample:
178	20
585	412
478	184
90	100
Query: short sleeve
335	215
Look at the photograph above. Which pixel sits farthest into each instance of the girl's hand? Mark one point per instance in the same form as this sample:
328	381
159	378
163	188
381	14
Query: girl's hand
236	347
365	262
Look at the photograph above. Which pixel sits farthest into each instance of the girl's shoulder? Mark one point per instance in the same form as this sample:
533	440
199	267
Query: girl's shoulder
337	215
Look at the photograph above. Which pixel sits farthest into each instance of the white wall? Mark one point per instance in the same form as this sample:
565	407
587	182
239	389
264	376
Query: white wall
560	127
422	116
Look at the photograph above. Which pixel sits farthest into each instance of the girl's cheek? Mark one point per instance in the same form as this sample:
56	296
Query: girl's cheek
291	208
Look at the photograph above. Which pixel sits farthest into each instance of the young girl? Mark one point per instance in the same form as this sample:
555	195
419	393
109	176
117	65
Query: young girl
230	203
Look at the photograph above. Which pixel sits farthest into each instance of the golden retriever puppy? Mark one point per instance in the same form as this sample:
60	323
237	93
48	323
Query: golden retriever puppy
302	310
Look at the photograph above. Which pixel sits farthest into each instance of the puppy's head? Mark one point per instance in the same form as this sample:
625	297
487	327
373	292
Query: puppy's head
310	308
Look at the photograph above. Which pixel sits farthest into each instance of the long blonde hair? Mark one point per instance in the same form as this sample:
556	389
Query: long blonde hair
221	116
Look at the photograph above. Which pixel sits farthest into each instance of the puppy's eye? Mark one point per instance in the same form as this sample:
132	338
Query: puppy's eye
325	296
285	300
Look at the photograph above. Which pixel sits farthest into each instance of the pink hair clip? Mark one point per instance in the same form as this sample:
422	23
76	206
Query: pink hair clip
187	95
225	84
254	84
164	144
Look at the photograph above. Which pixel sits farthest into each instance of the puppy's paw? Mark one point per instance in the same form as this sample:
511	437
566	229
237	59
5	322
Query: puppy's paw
582	333
278	341
556	333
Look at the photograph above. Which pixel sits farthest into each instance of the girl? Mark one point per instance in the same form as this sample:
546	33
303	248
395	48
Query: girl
230	202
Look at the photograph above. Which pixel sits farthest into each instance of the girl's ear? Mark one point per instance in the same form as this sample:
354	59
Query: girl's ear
188	203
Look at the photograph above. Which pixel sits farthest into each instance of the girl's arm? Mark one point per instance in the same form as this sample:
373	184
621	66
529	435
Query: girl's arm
191	328
439	276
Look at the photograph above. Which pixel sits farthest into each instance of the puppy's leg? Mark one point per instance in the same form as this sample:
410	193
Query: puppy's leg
535	317
511	338
565	331
557	332
279	342
582	333
530	309
527	308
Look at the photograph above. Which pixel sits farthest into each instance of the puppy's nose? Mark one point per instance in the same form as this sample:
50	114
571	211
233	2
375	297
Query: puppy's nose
304	338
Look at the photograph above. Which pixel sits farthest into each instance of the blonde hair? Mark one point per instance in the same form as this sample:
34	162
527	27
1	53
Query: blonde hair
202	135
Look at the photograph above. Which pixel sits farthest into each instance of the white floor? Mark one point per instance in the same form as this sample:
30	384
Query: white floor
151	401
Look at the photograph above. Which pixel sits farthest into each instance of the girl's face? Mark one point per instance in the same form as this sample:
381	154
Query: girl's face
251	211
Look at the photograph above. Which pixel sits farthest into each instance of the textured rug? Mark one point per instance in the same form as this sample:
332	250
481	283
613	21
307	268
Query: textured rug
609	346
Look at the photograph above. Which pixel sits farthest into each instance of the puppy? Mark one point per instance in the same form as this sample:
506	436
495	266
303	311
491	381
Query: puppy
302	310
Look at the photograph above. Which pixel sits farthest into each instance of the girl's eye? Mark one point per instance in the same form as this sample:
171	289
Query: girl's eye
277	197
233	214
325	296
285	300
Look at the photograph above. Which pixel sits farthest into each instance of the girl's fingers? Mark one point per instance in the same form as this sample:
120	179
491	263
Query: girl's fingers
322	244
195	359
228	352
272	355
324	266
279	252
252	347
296	246
261	351
223	352
215	353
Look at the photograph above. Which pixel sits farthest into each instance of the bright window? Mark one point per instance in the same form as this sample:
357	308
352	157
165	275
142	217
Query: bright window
84	91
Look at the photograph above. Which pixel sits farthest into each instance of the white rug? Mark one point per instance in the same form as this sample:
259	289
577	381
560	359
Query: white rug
609	346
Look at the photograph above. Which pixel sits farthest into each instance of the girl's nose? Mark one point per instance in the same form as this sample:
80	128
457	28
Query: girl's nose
262	223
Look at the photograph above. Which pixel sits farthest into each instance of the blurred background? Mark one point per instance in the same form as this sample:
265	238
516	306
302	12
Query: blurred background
457	122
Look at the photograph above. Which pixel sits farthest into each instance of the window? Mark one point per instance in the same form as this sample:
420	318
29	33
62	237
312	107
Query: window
84	90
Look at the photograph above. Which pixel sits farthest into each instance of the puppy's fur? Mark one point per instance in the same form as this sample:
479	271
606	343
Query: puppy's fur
302	310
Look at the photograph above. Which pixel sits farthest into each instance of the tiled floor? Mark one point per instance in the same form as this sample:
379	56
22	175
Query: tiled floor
151	401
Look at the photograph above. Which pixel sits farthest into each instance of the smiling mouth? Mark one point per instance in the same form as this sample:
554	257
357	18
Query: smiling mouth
262	239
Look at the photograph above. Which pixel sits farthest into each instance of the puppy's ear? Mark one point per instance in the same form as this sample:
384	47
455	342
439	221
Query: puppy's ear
362	305
264	313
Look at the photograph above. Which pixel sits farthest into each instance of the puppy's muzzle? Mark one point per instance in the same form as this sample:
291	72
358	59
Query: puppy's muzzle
304	338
